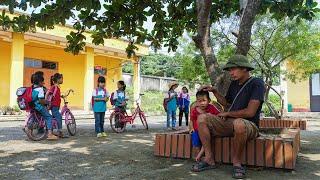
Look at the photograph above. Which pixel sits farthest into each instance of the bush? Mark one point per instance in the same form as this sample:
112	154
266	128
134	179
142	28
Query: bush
151	102
275	101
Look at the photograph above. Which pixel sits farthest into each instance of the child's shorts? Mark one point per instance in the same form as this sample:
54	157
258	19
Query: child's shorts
195	139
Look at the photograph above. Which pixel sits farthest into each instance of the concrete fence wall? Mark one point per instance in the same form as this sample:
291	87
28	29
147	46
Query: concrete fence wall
149	82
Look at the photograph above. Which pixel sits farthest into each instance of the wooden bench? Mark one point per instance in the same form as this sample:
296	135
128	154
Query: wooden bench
278	151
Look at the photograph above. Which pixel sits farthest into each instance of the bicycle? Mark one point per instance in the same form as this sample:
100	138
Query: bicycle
35	126
119	119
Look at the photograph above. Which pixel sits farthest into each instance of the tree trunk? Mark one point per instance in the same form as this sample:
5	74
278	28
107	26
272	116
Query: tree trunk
202	41
219	78
247	19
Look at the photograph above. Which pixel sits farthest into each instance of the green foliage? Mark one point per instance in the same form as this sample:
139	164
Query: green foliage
193	70
125	18
275	101
151	102
156	65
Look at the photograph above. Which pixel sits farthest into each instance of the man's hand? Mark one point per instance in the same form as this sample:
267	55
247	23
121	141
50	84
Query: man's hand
223	114
208	88
191	130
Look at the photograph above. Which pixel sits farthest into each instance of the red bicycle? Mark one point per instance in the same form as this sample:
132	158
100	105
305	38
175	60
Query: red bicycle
119	118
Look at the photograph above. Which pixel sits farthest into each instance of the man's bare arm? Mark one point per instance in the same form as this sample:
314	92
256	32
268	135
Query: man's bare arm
248	112
221	99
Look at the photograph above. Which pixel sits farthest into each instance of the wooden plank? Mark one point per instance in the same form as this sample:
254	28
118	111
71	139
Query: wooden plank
269	153
162	144
295	124
174	145
180	145
250	152
226	150
217	149
187	146
157	145
168	145
261	123
260	151
288	155
303	125
278	153
231	148
244	155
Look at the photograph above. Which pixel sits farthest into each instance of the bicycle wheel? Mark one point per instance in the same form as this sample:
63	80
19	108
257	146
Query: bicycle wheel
143	120
36	130
71	124
117	122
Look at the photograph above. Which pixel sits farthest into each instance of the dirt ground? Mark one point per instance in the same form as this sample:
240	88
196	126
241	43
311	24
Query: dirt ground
125	156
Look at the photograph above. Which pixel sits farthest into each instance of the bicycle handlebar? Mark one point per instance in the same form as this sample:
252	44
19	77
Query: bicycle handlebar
140	95
64	97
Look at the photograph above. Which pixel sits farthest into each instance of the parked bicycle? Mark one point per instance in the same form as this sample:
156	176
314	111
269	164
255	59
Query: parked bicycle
119	119
35	126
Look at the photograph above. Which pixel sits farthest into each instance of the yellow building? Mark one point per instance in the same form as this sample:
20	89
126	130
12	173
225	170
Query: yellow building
23	54
301	96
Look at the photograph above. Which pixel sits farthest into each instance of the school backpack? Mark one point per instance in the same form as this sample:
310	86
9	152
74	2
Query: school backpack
24	98
49	96
112	101
165	102
97	90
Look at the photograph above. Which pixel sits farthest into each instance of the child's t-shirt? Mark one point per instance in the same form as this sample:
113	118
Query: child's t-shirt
184	99
172	103
194	114
37	94
119	97
100	106
56	101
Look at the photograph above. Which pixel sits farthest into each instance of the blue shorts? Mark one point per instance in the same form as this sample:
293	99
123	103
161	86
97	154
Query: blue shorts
196	142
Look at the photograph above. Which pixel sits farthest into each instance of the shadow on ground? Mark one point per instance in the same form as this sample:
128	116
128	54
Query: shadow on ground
123	156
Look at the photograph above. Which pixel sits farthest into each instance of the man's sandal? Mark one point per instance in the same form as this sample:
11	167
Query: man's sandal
202	166
239	172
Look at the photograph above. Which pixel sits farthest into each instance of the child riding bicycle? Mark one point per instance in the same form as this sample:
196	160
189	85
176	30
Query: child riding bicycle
39	103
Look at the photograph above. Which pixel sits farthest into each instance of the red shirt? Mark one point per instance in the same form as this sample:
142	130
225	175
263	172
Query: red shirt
194	114
56	100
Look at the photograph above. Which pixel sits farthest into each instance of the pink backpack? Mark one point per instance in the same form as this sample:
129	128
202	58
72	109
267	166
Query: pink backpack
50	95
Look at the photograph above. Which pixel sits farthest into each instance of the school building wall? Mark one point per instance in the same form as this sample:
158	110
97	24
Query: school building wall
71	66
299	95
5	49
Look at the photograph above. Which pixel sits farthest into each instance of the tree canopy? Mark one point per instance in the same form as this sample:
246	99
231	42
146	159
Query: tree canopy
170	18
126	18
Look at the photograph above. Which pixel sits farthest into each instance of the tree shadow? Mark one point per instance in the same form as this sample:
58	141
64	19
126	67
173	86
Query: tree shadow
128	155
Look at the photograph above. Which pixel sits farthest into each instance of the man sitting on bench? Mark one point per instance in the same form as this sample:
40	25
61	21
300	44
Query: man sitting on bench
243	104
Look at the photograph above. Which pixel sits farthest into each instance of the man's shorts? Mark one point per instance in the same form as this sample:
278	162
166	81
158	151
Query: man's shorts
196	142
224	128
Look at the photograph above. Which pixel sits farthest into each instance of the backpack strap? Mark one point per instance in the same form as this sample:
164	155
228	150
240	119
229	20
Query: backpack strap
55	91
234	100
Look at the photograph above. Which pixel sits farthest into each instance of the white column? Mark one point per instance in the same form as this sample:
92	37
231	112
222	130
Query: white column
284	86
136	78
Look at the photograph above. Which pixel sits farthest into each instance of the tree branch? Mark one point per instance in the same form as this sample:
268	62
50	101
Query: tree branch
281	60
247	20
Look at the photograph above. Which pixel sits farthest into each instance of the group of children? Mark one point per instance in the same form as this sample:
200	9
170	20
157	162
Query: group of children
45	100
40	96
182	101
173	100
100	97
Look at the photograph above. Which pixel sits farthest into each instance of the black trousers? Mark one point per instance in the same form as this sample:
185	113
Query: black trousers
184	111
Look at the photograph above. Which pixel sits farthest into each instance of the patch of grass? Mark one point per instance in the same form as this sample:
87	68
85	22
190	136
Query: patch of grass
275	101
